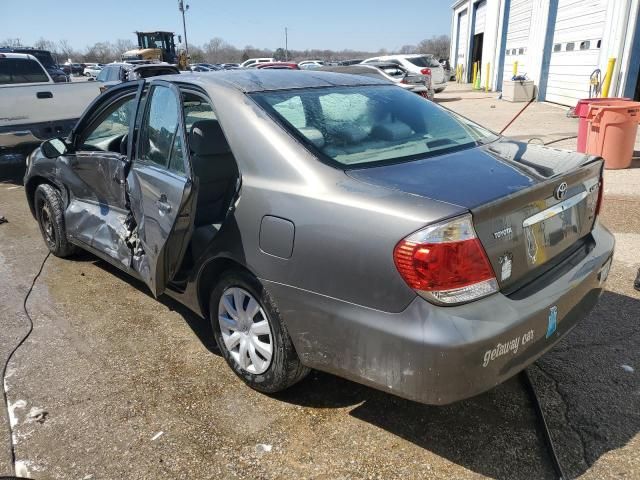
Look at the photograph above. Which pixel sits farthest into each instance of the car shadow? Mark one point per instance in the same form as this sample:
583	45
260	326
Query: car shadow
590	400
12	173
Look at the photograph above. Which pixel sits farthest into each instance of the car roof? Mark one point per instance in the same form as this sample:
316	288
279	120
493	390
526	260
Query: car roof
259	80
18	55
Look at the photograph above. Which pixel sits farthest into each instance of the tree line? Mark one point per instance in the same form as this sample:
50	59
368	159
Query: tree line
217	50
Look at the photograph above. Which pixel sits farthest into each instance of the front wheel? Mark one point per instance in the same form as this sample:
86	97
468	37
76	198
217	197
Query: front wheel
50	215
251	335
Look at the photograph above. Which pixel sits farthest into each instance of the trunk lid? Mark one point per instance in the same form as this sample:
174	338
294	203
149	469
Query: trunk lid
522	215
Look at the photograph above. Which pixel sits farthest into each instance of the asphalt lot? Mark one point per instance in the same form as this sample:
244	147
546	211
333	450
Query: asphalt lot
132	387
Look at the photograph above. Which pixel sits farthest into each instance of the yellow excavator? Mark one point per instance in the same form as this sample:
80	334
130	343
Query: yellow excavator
158	46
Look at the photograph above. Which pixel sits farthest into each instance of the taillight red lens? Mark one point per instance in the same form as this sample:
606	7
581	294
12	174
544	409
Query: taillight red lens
446	263
425	71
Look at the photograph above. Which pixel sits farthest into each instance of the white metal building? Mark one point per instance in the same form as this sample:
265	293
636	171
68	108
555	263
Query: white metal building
557	43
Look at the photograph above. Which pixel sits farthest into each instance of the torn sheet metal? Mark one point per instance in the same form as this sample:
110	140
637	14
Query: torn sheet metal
101	227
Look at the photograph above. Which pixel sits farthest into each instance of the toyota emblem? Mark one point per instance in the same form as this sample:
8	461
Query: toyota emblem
561	191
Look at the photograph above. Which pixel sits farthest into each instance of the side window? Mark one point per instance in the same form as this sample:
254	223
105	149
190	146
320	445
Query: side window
114	74
160	142
21	70
103	75
111	125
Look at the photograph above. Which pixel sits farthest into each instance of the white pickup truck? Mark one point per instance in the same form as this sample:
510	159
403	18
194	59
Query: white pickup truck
33	108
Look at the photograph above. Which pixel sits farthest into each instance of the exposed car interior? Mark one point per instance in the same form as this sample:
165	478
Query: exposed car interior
215	169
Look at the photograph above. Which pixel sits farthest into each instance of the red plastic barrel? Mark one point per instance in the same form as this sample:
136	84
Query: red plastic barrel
611	133
581	110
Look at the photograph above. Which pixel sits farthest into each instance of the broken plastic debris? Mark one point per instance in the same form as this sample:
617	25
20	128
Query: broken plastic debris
37	414
627	368
263	448
3	219
157	436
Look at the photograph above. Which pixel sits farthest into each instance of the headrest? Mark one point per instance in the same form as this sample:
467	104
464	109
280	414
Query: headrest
206	138
391	131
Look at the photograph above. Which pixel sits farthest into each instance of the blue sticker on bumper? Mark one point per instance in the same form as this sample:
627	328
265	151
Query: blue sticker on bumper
553	321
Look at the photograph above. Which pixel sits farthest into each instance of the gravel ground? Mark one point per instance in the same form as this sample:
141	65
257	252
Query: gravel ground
115	384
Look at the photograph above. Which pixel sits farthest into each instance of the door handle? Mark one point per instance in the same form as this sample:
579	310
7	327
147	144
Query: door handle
44	95
163	204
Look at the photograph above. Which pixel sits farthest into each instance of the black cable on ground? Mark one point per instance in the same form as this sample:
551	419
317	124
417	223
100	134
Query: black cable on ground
526	380
6	363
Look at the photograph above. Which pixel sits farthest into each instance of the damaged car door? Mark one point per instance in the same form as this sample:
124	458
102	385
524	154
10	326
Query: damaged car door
94	171
161	191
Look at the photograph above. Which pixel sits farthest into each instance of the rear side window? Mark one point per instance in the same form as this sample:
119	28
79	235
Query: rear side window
424	61
104	74
369	125
21	70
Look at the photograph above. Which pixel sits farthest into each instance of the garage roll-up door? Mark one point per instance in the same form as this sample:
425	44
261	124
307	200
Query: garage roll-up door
481	17
462	38
575	52
518	29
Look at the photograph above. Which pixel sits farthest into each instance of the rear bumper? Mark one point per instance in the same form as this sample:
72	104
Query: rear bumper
438	355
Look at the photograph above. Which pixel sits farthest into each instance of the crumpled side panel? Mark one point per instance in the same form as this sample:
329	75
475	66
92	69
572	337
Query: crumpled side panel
100	227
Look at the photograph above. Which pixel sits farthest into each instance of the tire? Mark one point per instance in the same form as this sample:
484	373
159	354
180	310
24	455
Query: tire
284	368
50	215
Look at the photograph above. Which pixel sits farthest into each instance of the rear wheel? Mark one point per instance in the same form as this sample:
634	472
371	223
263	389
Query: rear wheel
50	215
251	335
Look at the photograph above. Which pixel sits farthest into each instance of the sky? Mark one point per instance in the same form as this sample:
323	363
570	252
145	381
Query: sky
367	25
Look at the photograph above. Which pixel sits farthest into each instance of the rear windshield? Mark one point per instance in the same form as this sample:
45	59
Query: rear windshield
424	61
370	125
21	70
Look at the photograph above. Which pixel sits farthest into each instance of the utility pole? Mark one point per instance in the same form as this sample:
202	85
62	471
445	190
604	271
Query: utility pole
183	9
286	44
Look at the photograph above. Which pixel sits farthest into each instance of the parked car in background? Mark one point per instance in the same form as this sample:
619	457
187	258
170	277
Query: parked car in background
115	73
204	67
418	63
252	62
449	73
416	83
353	61
33	108
73	68
278	65
310	64
334	222
46	60
230	66
92	70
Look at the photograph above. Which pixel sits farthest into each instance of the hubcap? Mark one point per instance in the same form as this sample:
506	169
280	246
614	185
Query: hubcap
47	223
245	330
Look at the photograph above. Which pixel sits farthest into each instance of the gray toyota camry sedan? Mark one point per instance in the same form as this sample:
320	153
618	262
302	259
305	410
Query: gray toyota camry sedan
334	222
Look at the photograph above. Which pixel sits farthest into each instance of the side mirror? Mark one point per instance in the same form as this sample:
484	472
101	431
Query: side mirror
54	148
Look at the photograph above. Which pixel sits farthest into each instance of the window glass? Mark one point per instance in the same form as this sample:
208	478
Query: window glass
113	124
160	127
103	75
114	74
424	61
21	70
292	111
370	124
557	47
195	108
585	45
570	47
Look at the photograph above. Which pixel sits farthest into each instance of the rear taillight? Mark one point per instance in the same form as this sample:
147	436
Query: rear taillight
445	263
425	71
